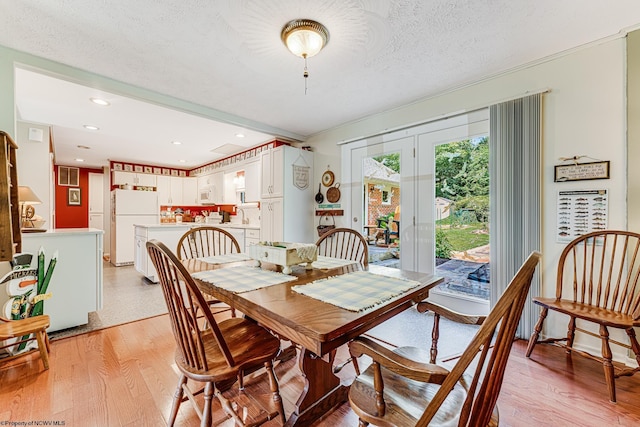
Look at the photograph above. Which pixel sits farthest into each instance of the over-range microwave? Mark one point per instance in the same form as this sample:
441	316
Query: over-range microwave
205	195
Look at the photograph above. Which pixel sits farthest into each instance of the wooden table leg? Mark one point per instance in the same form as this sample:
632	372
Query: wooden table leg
322	391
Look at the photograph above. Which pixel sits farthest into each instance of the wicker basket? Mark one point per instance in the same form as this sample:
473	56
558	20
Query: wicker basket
324	228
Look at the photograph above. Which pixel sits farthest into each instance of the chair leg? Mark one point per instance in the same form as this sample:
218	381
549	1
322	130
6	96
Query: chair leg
233	312
571	334
43	347
435	335
607	363
206	411
177	399
533	340
275	390
634	344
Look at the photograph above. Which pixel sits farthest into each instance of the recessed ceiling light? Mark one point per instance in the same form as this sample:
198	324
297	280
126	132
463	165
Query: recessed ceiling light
239	135
182	161
79	160
91	127
176	142
100	101
84	147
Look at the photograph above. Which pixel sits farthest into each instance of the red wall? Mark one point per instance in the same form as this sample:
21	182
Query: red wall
73	216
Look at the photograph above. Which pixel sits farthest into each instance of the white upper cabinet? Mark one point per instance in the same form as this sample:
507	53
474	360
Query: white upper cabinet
272	163
164	190
229	194
190	191
174	190
252	181
132	178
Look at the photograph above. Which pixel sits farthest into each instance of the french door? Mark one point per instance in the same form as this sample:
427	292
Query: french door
416	148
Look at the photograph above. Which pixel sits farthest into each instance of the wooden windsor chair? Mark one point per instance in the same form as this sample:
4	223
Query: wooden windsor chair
215	353
401	387
597	284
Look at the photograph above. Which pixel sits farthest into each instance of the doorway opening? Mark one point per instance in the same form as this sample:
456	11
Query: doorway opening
462	218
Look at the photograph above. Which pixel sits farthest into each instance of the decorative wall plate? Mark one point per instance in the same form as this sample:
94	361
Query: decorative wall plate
327	178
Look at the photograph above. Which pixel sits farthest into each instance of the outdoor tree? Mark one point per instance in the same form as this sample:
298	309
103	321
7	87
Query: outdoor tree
462	169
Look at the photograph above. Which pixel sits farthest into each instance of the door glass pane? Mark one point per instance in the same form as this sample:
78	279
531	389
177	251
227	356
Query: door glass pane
381	208
462	217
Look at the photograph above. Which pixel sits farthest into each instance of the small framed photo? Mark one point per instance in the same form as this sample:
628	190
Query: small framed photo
165	171
117	166
174	172
128	168
137	168
73	197
157	171
182	173
147	169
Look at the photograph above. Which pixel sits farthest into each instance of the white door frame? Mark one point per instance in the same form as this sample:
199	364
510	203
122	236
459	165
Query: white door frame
354	156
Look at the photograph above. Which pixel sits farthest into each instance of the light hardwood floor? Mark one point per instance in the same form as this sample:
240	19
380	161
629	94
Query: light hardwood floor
123	376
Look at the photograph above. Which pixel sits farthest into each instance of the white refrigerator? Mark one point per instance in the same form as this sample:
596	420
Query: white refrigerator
130	207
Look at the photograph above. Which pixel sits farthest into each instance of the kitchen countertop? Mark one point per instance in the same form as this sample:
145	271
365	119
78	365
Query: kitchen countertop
199	224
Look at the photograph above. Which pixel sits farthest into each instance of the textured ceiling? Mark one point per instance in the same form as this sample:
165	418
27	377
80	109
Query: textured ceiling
227	54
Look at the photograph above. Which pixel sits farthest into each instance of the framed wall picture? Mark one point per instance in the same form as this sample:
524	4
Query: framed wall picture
73	197
582	171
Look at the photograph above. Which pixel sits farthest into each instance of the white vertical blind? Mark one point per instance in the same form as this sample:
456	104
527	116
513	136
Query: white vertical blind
514	165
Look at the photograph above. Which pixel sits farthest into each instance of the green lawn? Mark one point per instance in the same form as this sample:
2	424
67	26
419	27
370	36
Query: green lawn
463	237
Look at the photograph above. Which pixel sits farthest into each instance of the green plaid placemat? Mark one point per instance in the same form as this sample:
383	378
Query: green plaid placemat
356	291
242	278
224	259
327	263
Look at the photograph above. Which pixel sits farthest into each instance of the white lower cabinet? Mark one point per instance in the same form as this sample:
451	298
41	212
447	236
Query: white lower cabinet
251	237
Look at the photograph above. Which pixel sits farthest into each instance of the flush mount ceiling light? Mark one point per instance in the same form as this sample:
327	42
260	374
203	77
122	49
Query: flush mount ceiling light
91	127
304	38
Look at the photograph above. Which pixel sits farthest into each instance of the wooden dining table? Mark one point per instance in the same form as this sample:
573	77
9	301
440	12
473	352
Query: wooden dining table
316	326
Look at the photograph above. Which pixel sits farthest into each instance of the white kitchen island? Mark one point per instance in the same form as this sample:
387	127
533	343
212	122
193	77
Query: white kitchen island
76	283
170	233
